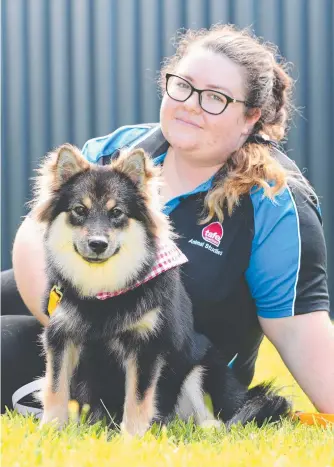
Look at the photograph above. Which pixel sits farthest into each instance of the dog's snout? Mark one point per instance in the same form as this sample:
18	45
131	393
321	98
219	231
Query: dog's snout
98	245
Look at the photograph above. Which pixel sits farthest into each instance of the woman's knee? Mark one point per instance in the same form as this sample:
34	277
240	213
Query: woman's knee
21	354
11	300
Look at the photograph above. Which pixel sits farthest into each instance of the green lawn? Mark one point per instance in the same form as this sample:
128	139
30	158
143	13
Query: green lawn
291	444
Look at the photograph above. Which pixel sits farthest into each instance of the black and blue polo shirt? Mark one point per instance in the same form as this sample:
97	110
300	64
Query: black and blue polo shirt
267	259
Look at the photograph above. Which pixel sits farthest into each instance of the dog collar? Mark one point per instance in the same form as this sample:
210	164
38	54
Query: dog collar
169	256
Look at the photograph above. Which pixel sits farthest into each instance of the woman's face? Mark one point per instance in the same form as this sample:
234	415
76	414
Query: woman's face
207	139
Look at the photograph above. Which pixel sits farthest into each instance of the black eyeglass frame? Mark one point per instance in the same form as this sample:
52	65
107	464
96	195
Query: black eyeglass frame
229	100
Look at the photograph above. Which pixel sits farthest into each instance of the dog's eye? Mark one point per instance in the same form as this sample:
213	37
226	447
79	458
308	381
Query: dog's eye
80	210
115	213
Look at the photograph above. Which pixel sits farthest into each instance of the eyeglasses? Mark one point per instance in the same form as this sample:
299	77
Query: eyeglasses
212	102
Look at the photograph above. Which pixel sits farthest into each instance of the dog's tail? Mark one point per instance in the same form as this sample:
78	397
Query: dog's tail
233	402
263	404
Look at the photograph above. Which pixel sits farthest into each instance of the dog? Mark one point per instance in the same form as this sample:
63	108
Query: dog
121	335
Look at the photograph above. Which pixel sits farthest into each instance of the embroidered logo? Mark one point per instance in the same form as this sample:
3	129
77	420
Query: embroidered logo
213	233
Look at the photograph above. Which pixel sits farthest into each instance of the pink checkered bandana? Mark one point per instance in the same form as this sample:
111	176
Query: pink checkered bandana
169	256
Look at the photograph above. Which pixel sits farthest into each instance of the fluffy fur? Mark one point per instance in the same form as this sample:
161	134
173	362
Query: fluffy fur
135	355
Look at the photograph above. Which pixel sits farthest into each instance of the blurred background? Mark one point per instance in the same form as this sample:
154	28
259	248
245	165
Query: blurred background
77	69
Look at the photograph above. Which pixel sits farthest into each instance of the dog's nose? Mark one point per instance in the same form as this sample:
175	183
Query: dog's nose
98	245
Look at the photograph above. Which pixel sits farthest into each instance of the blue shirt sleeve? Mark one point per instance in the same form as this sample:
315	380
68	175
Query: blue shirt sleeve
287	268
124	136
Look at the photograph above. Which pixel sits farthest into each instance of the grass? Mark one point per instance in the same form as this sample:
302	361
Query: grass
180	444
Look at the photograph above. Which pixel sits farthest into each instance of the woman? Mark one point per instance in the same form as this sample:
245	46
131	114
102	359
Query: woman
248	221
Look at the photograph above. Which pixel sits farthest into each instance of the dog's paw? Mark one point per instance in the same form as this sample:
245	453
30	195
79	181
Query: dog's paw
56	417
208	424
134	429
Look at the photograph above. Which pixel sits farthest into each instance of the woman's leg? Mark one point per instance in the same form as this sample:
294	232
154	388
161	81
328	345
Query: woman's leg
11	301
21	355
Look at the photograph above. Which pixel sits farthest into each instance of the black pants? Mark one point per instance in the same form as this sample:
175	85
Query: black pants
21	357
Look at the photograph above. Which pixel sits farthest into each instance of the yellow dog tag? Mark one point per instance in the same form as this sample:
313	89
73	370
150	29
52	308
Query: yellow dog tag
54	299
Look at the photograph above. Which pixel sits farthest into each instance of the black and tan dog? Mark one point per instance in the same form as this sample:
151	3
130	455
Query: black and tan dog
121	337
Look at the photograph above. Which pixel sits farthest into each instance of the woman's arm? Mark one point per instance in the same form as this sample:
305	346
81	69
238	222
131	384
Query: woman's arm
29	267
306	345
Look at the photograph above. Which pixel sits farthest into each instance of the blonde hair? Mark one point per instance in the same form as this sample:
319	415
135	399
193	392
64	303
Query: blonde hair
268	87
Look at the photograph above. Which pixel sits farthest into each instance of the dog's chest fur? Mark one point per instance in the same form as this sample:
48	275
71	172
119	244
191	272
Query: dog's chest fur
149	315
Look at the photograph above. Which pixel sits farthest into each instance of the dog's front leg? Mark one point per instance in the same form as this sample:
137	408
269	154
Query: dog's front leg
61	359
140	394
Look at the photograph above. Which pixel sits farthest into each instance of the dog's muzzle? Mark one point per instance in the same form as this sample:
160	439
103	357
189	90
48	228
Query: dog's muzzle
96	249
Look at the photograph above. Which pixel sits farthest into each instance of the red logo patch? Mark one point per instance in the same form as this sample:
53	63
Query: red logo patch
213	233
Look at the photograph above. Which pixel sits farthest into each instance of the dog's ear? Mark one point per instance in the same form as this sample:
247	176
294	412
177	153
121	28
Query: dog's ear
56	169
135	165
69	163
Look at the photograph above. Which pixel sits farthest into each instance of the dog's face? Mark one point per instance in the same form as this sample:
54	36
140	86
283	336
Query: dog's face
102	209
102	222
